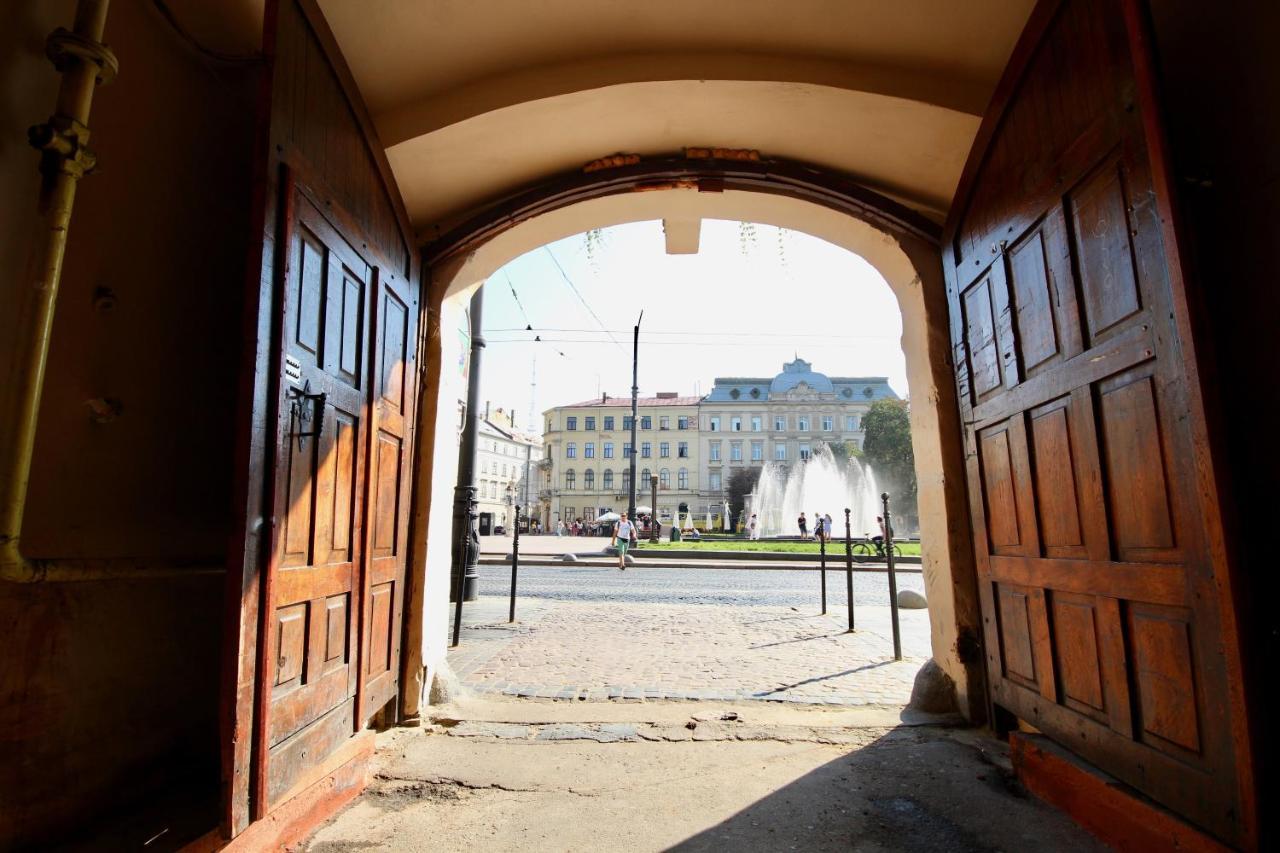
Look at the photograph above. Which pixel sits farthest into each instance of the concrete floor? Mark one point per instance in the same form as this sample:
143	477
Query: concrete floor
497	775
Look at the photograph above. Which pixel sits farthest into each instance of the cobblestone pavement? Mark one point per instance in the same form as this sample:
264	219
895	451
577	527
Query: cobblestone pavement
685	634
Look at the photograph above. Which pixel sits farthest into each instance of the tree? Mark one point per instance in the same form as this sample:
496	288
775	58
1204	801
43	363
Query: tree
844	450
741	482
886	447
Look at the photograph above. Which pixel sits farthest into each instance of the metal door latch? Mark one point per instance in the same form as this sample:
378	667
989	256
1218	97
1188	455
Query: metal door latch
300	413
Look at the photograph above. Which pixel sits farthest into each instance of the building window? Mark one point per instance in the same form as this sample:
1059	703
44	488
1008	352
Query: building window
780	452
682	450
757	423
626	422
735	424
570	451
608	450
626	450
664	479
715	423
851	422
682	423
644	479
802	424
589	450
608	422
664	422
626	479
606	479
570	423
646	449
779	424
735	451
589	479
589	424
646	422
588	513
548	424
570	480
804	452
568	513
664	449
715	451
757	451
713	481
504	470
682	479
827	424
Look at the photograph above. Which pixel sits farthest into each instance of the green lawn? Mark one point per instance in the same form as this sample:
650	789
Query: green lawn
835	547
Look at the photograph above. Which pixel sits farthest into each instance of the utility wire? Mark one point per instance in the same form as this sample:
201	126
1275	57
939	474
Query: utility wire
519	304
578	293
700	334
756	344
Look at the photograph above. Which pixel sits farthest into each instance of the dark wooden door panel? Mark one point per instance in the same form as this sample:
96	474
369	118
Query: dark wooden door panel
327	454
1099	595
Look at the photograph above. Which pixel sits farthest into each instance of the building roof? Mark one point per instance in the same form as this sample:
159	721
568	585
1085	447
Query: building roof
749	389
620	402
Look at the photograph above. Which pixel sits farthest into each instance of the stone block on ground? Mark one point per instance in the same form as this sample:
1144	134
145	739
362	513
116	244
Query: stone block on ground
933	692
909	599
446	687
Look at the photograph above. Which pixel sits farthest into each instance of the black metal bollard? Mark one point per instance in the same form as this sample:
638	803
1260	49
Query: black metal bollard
822	550
893	581
515	565
848	565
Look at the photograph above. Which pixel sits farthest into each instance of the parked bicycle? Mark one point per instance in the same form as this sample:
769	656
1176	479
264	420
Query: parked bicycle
874	547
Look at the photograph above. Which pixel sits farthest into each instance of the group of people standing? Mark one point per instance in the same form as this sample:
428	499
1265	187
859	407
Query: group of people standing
821	526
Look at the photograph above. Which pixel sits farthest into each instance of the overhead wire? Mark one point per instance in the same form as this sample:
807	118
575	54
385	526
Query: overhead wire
578	293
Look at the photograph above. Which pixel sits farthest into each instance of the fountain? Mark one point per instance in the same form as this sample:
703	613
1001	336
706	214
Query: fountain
822	484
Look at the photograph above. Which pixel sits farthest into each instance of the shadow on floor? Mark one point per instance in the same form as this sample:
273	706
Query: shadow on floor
908	791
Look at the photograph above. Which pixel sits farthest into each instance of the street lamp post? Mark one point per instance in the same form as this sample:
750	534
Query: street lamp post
635	393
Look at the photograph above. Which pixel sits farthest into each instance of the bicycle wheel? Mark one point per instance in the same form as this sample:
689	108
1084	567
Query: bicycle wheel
863	551
897	552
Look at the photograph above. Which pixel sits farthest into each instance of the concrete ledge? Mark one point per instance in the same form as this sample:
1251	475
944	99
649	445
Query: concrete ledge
595	561
833	557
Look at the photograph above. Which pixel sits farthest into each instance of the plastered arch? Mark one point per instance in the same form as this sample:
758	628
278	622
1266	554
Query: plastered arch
912	269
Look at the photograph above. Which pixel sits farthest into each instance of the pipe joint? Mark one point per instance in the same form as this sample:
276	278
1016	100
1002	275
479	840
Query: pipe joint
63	144
65	49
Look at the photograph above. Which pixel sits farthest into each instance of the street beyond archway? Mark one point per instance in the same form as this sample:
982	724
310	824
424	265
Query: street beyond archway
596	633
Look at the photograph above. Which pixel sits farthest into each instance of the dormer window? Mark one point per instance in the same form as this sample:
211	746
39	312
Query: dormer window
735	393
755	393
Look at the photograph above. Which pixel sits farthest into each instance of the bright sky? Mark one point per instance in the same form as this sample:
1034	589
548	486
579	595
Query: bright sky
751	299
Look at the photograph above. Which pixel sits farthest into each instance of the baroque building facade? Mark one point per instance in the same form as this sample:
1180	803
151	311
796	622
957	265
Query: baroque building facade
693	444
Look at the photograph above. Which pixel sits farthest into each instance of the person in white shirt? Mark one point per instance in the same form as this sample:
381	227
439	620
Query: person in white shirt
753	528
623	531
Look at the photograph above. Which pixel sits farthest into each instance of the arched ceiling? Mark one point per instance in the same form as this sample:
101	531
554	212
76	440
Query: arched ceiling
475	99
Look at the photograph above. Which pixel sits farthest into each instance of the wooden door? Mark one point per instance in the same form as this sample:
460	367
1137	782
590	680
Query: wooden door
1107	615
328	403
321	458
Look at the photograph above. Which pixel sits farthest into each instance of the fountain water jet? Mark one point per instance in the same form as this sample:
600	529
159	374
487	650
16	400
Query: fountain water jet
822	484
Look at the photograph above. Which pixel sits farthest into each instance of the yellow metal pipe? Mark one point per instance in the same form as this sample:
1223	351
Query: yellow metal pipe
84	62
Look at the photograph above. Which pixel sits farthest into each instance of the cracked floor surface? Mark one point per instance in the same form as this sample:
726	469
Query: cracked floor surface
525	775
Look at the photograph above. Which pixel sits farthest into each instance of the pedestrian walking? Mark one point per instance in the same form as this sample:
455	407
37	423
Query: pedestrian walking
826	526
819	532
804	526
624	532
753	528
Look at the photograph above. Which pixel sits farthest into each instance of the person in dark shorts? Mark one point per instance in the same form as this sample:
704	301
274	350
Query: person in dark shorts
804	526
623	532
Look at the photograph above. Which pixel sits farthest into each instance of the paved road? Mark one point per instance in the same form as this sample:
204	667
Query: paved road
672	585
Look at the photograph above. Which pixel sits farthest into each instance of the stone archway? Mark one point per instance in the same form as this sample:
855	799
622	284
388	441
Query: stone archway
905	254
